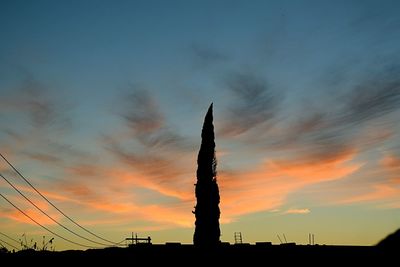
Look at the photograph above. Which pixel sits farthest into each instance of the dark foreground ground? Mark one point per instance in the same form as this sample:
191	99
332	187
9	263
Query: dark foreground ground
226	255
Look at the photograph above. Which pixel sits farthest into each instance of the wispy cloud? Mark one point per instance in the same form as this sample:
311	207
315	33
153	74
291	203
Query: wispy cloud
332	120
297	211
150	167
142	115
390	162
376	185
374	96
167	169
161	168
254	104
332	166
35	101
43	157
34	120
157	155
267	186
206	56
141	112
16	216
383	195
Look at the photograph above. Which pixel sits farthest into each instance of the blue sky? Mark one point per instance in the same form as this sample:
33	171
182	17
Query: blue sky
102	103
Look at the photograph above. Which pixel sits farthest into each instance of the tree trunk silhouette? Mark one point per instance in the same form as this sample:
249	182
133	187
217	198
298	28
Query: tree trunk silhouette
207	213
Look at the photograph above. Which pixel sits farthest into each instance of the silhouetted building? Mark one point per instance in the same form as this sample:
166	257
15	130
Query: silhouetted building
391	241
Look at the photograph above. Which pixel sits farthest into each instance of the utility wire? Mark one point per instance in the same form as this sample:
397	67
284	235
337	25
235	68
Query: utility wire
54	206
5	242
123	240
44	227
48	216
9	237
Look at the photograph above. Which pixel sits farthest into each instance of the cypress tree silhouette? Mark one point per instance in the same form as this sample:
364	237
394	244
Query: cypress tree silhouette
207	213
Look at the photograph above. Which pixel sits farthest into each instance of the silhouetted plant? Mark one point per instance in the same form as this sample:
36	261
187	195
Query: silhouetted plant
32	245
3	249
207	232
46	244
24	242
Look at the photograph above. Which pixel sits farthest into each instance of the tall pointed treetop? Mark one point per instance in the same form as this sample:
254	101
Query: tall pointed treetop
207	211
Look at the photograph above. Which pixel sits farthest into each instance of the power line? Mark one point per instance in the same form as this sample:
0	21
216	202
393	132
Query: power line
5	242
48	216
44	227
10	237
123	240
54	206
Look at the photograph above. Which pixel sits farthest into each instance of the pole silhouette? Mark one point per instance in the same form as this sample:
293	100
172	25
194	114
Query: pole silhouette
207	232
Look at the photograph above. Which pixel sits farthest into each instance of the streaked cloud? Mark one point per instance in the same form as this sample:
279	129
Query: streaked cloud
149	168
147	155
376	95
43	157
360	114
382	195
36	102
267	186
318	169
254	104
16	216
148	126
141	112
297	211
206	56
391	162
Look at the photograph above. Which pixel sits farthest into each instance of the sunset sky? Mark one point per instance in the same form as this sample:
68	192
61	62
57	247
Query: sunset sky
102	104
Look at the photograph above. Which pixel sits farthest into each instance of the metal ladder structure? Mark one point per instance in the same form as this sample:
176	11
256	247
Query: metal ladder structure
238	238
